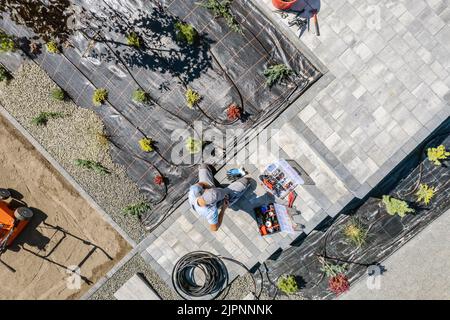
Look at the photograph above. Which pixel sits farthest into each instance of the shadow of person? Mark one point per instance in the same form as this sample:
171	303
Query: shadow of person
252	199
31	236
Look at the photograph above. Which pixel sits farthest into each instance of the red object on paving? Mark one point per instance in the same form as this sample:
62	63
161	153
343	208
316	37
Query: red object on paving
283	5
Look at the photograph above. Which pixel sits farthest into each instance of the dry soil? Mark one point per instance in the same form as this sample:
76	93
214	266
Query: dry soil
65	230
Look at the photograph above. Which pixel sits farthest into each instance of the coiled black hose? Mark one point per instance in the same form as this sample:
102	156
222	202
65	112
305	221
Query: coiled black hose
211	267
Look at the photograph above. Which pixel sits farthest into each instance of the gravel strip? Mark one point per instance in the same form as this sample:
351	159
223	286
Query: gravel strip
133	266
75	136
238	289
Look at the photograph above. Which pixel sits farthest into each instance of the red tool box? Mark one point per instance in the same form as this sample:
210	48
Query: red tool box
274	218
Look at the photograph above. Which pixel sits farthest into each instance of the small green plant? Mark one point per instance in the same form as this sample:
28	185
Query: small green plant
7	43
355	232
43	117
186	33
192	98
277	73
140	96
436	155
146	145
99	97
134	40
222	9
193	146
58	94
287	284
92	165
331	269
52	47
395	206
4	74
136	209
425	193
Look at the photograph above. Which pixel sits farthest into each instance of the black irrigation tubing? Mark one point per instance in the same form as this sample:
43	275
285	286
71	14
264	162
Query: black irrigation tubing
165	192
170	163
117	146
153	101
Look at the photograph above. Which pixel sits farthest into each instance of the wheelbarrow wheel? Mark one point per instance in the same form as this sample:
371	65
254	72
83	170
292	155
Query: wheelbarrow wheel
23	214
4	194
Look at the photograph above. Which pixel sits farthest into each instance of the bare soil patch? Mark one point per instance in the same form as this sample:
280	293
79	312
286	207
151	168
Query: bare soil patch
65	231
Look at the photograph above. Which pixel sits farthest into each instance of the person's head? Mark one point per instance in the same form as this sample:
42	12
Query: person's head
208	197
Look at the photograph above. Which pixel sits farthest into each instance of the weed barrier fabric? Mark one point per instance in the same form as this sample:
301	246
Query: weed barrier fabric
225	67
386	234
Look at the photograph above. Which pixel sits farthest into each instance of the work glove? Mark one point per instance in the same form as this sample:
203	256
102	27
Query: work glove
235	173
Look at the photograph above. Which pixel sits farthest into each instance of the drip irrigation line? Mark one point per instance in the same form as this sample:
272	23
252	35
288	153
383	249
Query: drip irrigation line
165	193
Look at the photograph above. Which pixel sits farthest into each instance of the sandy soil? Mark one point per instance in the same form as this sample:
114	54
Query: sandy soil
43	252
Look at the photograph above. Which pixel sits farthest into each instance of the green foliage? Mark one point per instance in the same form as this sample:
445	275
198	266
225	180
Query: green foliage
436	155
99	97
136	209
134	40
193	146
331	269
43	117
52	47
92	165
395	206
222	9
277	73
425	193
4	74
186	33
140	96
355	232
287	284
58	94
192	98
7	43
146	145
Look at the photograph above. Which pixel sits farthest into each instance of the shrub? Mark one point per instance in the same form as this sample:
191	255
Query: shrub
134	40
140	96
158	180
4	74
192	98
435	155
52	47
287	284
425	193
146	145
277	73
92	165
58	94
102	138
186	33
233	112
355	232
222	9
43	117
136	209
339	284
99	97
193	146
395	206
7	42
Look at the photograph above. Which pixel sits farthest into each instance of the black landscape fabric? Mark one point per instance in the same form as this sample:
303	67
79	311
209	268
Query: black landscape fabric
225	67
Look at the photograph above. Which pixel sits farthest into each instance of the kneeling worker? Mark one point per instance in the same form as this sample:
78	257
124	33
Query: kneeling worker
205	198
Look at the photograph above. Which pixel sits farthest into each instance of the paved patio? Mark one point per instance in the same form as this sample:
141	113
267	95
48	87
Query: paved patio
385	89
